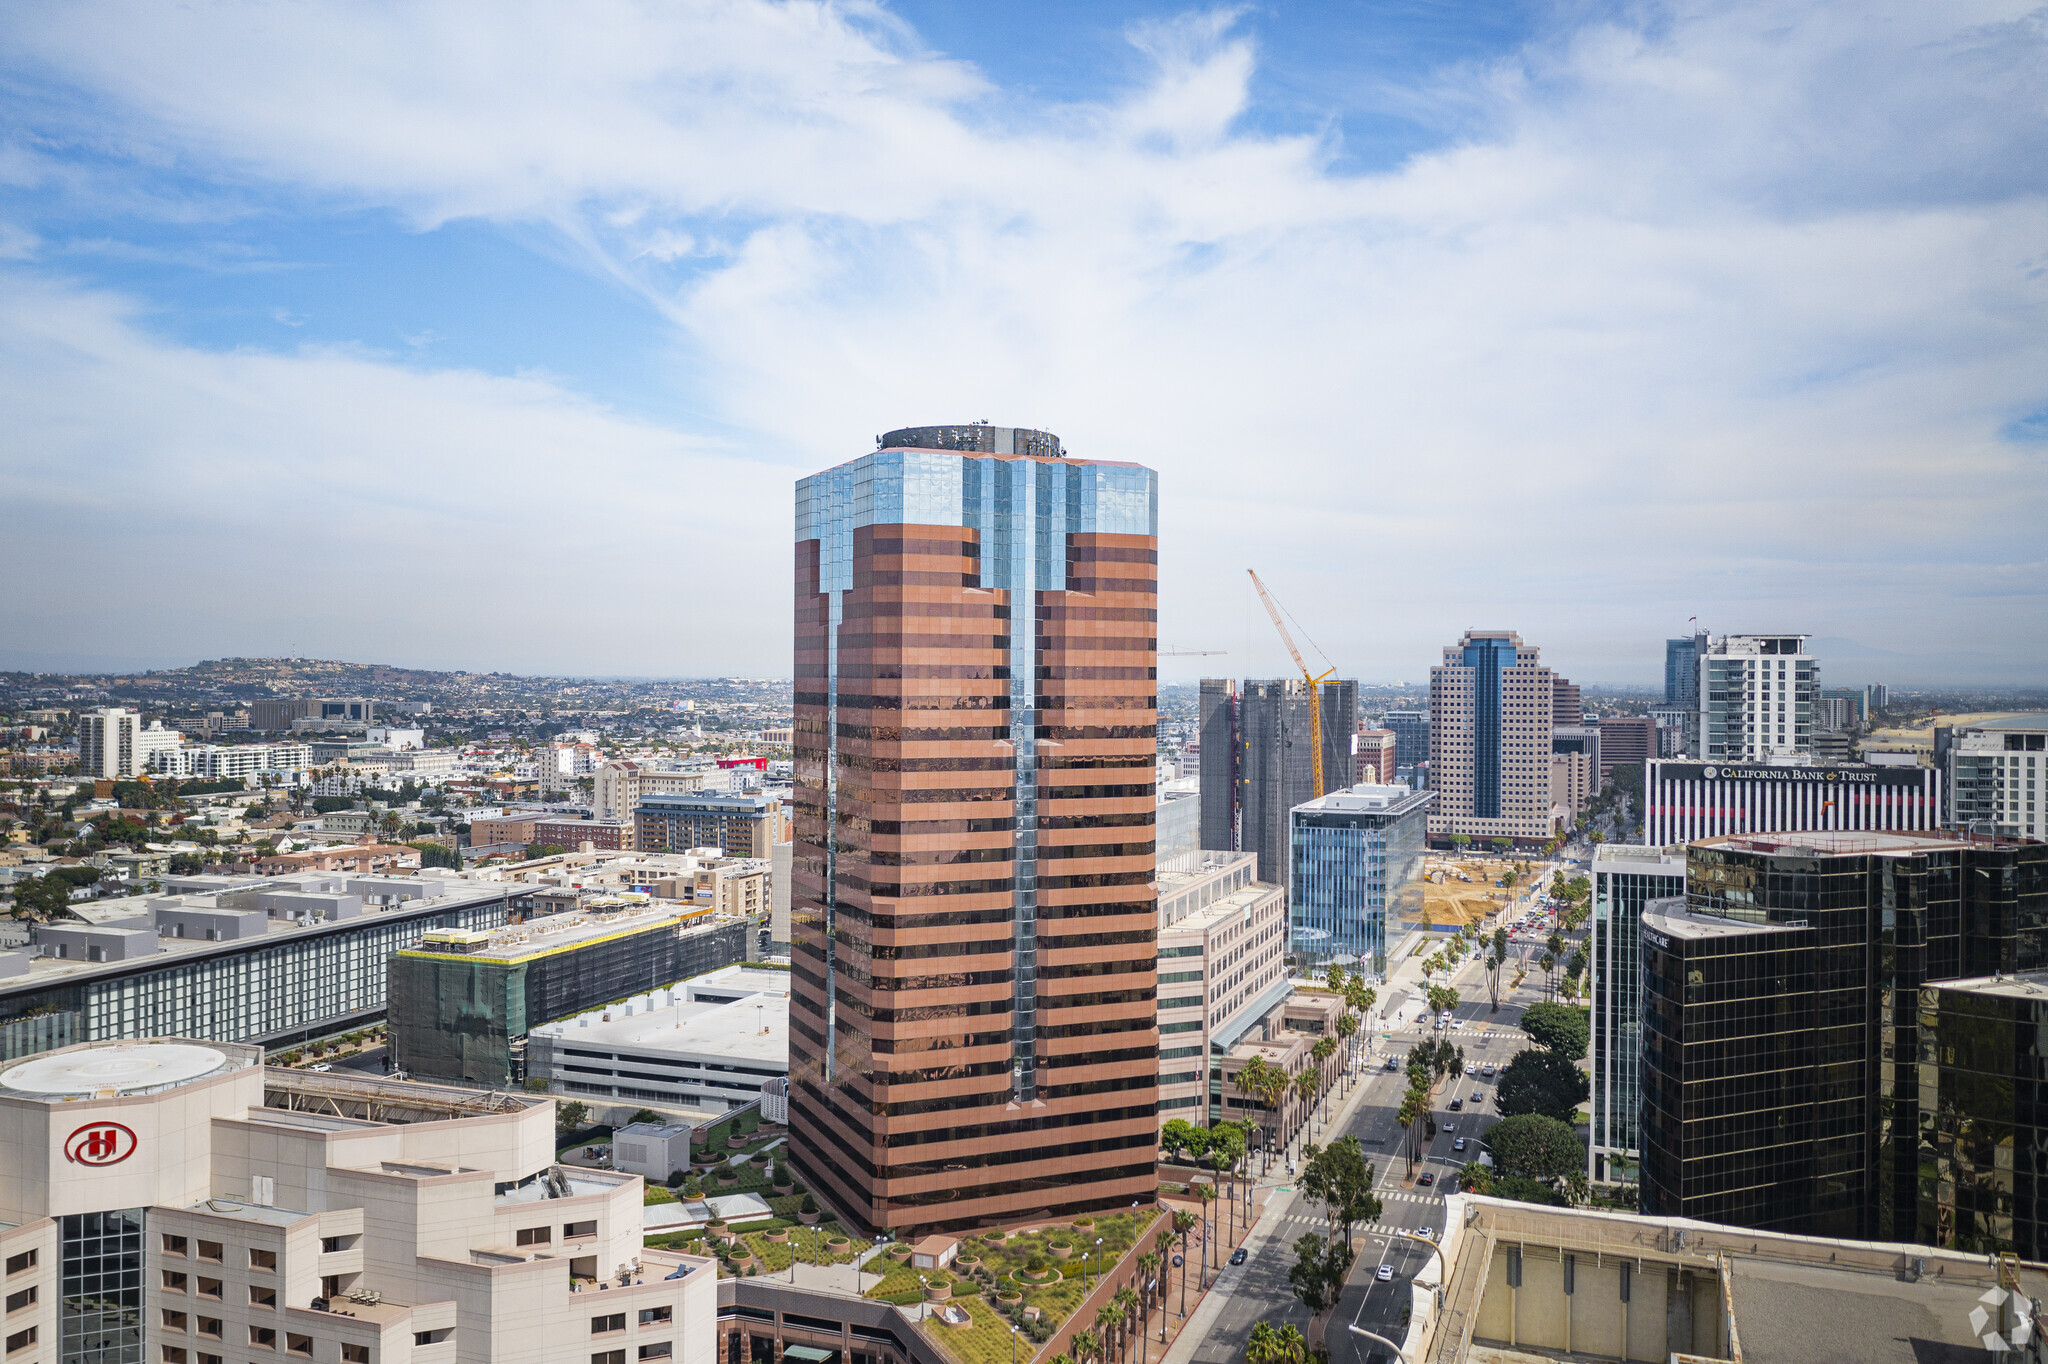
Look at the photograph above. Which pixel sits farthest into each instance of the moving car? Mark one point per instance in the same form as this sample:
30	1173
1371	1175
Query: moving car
1426	1178
1238	1257
1458	1145
1457	1105
323	1067
1471	1069
1384	1273
1426	1233
1479	1096
1487	1071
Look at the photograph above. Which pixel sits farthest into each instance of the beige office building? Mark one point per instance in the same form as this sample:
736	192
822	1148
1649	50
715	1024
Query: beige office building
1491	706
176	1202
1222	971
619	786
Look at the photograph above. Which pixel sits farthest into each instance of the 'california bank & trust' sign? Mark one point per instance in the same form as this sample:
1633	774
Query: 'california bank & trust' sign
1857	775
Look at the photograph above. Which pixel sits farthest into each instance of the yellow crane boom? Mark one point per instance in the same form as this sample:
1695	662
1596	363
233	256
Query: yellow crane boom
1315	683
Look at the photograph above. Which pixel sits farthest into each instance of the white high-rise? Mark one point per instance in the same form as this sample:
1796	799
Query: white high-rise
1756	698
113	744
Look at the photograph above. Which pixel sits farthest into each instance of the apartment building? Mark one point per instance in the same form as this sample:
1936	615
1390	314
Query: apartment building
973	924
621	786
1997	775
175	1200
114	744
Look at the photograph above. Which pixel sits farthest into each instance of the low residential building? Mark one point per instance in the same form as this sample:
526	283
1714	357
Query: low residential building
176	1200
738	824
663	1048
364	858
218	762
603	835
560	766
490	830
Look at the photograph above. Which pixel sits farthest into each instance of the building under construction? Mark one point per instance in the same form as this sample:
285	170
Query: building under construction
462	1001
1258	761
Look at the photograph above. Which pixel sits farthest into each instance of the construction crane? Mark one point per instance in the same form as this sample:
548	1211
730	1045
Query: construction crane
1315	683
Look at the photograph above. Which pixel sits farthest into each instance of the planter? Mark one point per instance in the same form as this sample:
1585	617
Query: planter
937	1292
779	1234
838	1244
810	1219
735	1143
1009	1295
1061	1252
899	1253
965	1262
994	1238
782	1190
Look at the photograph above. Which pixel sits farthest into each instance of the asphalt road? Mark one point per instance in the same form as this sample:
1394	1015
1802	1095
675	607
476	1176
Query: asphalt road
1259	1291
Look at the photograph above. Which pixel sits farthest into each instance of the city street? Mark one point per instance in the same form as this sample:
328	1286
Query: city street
1259	1290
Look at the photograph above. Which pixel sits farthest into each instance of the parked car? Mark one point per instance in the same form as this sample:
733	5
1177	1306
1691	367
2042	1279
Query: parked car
1426	1233
1238	1256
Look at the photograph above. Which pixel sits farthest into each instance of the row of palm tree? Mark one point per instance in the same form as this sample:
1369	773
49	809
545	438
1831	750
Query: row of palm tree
1119	1331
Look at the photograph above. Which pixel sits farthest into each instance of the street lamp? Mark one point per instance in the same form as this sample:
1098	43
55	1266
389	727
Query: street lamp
924	1297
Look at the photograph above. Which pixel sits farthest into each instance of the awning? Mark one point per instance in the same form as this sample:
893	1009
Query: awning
809	1354
1220	1043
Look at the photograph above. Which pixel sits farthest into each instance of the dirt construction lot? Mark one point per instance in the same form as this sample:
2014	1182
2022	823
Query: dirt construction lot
1450	901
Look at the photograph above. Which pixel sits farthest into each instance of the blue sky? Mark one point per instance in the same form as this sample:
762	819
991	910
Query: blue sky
492	337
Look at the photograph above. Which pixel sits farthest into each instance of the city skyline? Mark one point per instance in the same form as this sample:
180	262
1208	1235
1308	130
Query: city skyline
327	354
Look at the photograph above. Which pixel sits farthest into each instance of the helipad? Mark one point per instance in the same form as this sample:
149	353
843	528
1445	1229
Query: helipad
118	1067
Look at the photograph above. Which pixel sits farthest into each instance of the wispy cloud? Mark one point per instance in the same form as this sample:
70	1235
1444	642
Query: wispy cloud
1731	309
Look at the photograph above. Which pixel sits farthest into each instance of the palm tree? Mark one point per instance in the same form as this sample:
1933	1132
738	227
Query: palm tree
1207	1193
1322	1051
1293	1347
1087	1346
1148	1275
1549	964
1273	1087
1347	1030
1108	1327
1183	1223
1264	1345
1250	1081
1126	1303
1308	1087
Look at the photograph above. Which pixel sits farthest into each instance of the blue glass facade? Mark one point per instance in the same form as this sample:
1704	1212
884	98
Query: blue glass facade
1488	657
1355	874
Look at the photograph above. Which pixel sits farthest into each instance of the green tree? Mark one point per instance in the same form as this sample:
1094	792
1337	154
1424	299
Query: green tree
1475	1178
570	1116
1542	1081
1339	1177
1560	1028
1319	1269
1535	1147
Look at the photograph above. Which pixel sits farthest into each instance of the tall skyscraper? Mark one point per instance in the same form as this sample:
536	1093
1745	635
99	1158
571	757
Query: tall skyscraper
1218	720
973	1021
1490	707
1272	760
1756	698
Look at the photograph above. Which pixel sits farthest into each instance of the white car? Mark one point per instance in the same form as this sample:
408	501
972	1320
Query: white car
323	1066
1385	1273
1457	1023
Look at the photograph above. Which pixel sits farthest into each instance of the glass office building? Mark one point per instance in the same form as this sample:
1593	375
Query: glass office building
1625	878
1782	1082
1984	1115
973	1021
1354	881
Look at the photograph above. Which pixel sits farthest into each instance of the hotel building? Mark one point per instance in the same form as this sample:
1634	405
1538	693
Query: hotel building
973	1018
175	1201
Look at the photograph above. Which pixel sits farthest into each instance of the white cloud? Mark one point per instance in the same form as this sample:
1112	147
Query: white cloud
190	504
1716	311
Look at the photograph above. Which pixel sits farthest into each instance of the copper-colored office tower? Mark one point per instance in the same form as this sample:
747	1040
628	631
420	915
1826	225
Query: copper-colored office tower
973	1022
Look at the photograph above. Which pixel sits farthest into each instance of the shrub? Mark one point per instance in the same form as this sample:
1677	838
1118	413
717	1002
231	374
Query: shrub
676	1178
781	1172
799	1189
809	1205
1080	1222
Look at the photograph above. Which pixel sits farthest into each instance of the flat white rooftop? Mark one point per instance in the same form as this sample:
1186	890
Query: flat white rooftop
119	1068
755	1029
